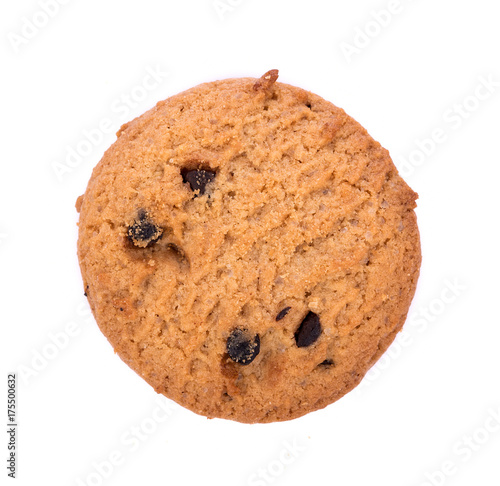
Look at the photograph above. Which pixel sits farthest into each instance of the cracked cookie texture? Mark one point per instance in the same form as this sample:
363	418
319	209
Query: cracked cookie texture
248	249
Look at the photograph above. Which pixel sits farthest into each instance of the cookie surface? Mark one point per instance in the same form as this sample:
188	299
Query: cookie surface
248	249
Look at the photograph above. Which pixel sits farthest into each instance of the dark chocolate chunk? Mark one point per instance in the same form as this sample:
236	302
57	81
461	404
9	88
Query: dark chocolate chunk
198	179
242	346
282	313
327	363
308	331
144	231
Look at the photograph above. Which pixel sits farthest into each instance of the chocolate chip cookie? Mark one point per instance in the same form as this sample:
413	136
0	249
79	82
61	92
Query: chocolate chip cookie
248	249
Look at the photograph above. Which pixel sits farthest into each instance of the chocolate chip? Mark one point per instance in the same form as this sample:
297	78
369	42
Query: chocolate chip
327	362
144	231
308	331
198	179
282	313
242	346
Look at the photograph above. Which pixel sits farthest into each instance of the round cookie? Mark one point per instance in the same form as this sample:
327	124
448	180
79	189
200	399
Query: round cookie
248	249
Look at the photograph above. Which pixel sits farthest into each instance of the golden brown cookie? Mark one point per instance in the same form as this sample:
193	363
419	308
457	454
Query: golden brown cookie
248	249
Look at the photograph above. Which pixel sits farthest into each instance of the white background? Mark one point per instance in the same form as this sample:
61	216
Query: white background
429	412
